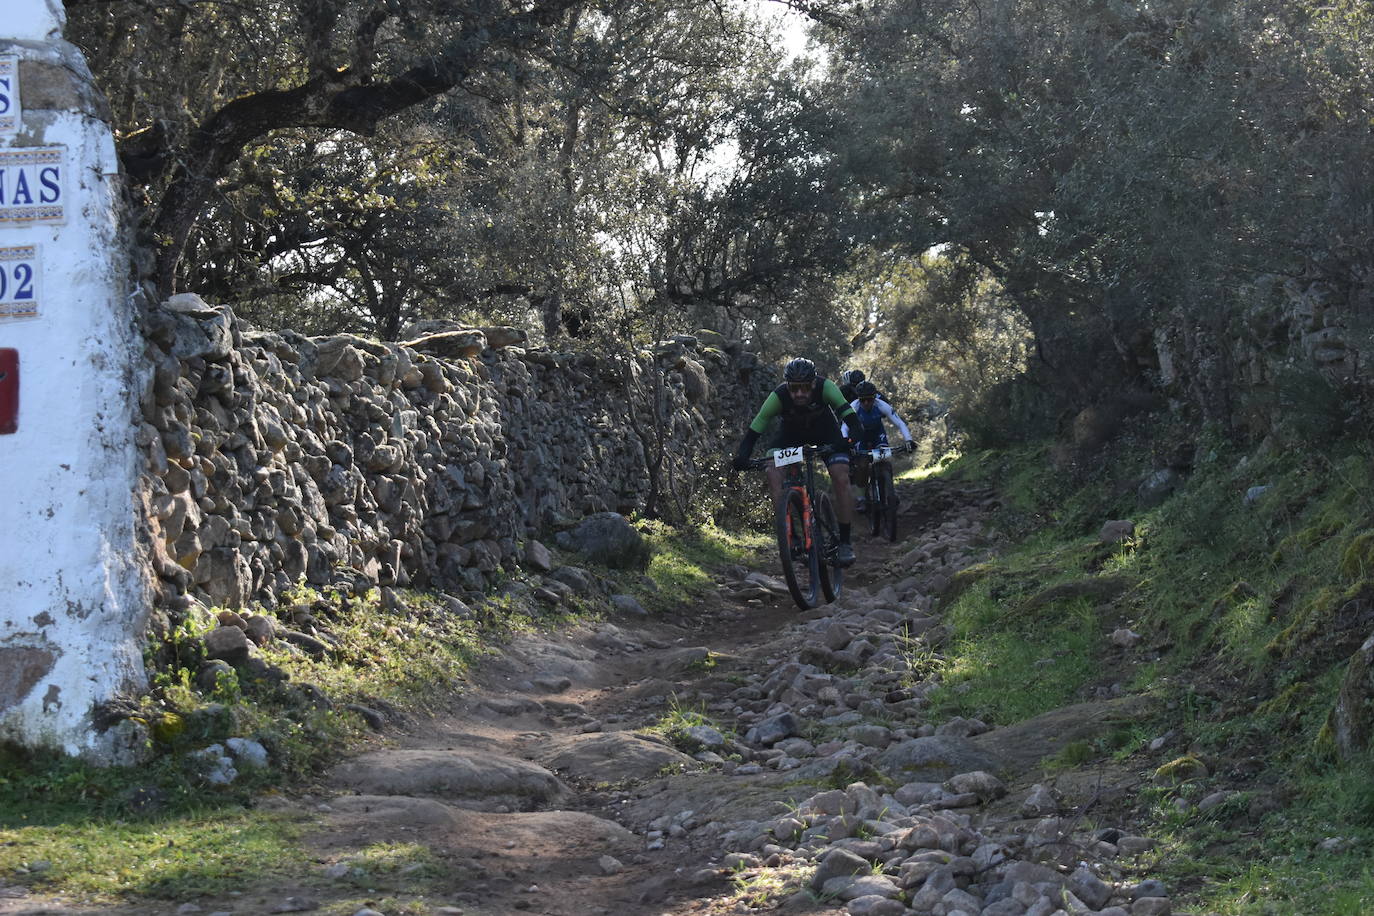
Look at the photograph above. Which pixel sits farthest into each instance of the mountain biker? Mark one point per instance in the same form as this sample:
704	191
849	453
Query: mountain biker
848	379
807	404
867	431
849	382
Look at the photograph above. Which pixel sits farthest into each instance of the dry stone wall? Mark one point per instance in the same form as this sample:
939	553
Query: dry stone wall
271	457
1230	370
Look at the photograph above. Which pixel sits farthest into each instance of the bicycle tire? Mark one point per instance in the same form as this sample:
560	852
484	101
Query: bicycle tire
875	501
827	540
889	500
801	566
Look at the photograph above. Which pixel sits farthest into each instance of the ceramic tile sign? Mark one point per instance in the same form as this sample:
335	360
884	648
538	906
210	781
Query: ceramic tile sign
9	95
19	276
33	185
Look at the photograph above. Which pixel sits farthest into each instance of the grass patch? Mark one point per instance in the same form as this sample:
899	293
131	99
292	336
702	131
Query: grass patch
160	830
675	724
685	560
763	888
1310	857
1007	674
386	864
1250	602
393	658
207	852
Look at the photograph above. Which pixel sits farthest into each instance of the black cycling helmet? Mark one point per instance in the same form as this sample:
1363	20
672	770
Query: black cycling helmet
799	370
866	390
852	377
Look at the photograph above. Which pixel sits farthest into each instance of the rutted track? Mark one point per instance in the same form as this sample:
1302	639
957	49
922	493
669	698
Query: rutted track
541	792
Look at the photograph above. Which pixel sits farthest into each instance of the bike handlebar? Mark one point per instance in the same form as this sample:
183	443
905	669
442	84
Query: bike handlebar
758	464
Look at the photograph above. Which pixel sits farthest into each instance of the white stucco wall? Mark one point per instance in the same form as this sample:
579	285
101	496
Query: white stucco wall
33	20
72	598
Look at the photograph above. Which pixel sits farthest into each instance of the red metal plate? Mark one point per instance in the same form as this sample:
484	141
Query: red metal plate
9	390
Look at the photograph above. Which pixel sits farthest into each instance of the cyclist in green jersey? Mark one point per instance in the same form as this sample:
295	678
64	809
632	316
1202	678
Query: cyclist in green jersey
808	404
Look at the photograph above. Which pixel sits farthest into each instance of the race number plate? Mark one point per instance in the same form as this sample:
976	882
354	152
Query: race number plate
881	454
785	456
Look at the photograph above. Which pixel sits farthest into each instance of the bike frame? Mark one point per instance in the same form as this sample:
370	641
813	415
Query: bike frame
799	476
794	478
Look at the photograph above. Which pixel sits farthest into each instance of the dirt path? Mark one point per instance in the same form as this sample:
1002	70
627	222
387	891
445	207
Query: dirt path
578	702
543	791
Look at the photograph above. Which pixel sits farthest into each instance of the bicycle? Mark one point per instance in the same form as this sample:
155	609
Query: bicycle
807	531
881	492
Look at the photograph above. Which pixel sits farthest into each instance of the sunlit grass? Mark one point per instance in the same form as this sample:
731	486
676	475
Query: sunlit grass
169	858
914	473
414	862
1007	672
398	658
762	888
672	726
158	830
685	560
1239	602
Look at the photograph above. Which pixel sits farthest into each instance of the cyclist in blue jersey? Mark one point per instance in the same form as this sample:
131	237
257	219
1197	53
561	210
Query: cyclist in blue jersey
867	430
808	405
850	380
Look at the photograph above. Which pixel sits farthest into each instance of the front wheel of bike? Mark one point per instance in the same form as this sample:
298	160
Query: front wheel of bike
798	550
827	542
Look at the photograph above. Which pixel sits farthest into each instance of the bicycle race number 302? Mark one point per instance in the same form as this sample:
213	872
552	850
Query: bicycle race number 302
19	281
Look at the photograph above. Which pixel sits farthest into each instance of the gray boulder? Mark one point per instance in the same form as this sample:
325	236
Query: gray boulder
609	539
935	758
1158	487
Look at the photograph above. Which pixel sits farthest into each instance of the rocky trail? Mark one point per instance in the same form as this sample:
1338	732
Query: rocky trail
548	788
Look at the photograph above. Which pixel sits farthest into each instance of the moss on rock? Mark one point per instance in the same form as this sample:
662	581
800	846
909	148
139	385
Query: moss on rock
1357	561
1181	769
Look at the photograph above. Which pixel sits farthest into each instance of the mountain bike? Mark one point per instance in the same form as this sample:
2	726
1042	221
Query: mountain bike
881	493
807	531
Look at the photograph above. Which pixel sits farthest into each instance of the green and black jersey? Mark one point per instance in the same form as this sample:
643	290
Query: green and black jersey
826	399
813	422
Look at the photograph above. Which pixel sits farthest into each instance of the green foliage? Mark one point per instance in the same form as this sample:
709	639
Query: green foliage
415	864
673	725
159	830
1004	668
168	856
1074	754
944	314
553	165
1307	857
1122	170
685	560
1249	610
1357	561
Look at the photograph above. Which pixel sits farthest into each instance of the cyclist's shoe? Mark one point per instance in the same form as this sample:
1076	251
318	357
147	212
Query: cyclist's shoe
860	505
844	555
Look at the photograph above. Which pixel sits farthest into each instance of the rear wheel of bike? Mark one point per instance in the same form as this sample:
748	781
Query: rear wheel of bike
889	502
875	500
799	551
827	541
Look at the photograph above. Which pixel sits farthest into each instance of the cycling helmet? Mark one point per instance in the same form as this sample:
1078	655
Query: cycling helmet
866	390
800	370
852	377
